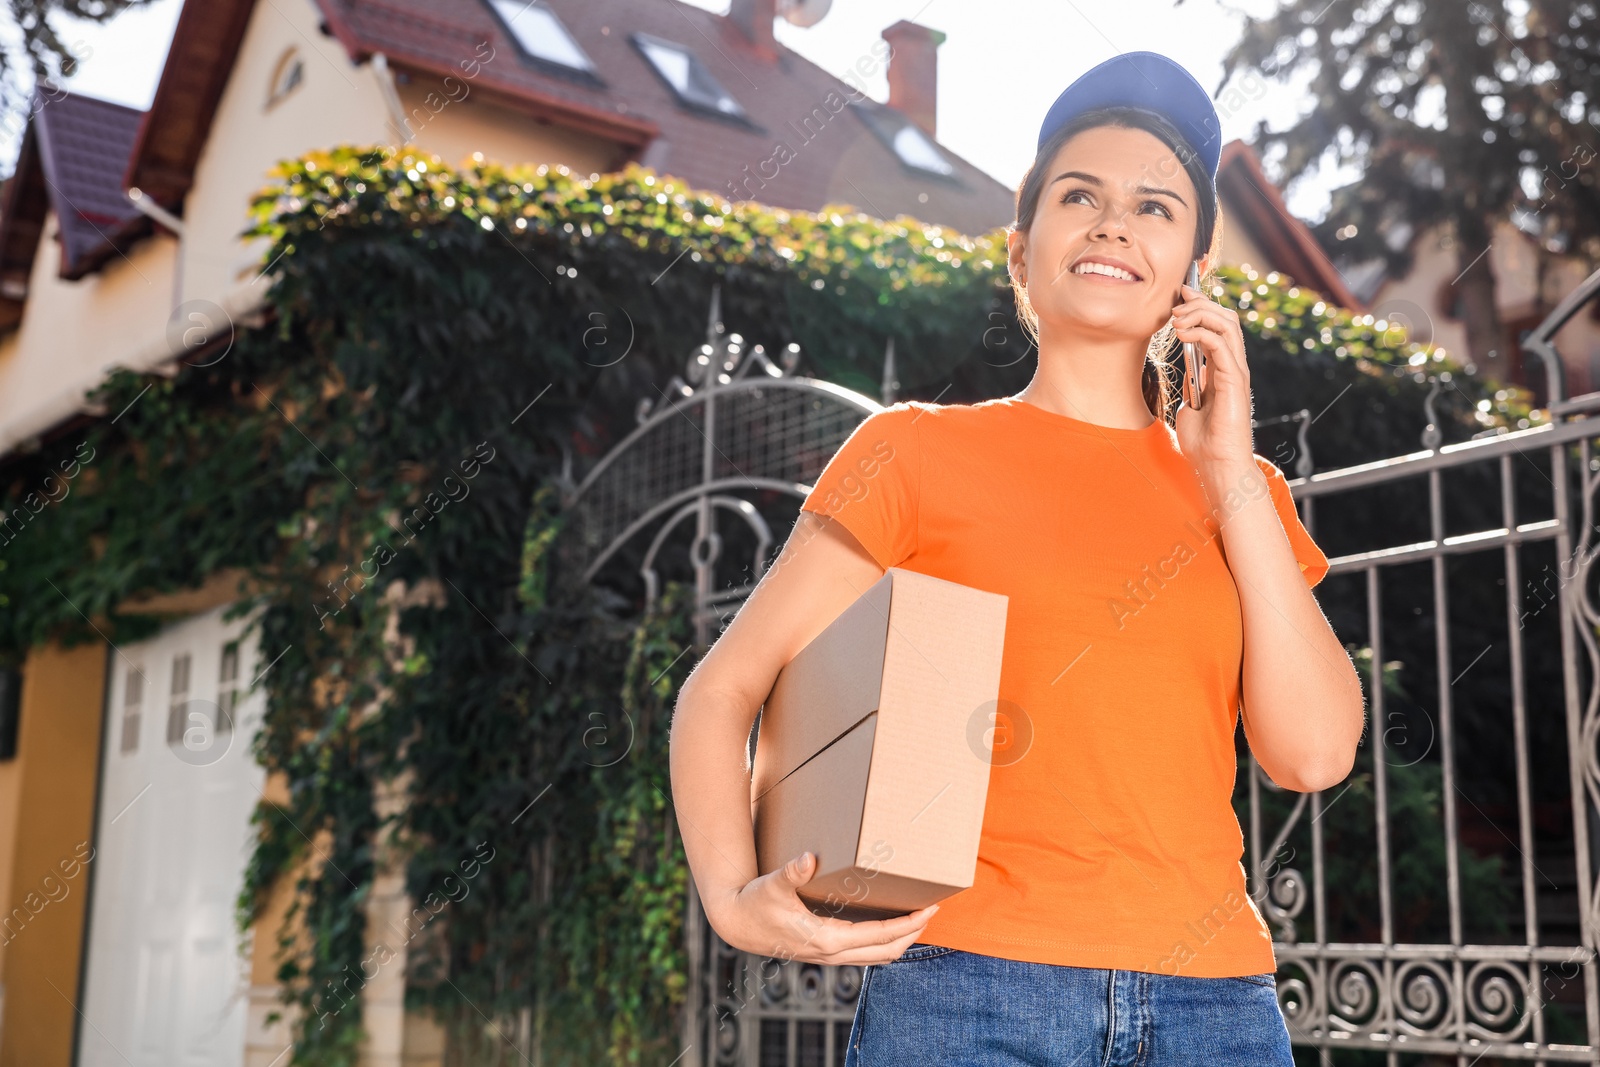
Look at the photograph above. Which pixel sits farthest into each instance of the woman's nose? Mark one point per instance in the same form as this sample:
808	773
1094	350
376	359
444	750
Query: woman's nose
1113	222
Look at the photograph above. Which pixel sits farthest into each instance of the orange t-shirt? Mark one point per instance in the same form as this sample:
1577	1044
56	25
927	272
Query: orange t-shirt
1109	838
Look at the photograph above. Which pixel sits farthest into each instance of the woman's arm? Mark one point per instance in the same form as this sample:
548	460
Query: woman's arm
820	572
1302	703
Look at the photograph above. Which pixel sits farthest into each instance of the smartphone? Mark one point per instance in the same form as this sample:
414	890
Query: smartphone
1191	351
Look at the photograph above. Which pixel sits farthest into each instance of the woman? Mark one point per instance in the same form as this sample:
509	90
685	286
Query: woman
1159	584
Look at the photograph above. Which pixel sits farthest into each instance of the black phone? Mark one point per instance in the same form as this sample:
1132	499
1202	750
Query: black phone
1191	351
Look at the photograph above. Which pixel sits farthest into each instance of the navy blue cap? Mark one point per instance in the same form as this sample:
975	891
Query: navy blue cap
1150	81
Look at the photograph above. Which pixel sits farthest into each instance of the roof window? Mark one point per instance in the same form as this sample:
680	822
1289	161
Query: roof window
916	149
541	35
905	138
690	80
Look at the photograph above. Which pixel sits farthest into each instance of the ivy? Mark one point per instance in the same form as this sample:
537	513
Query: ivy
381	460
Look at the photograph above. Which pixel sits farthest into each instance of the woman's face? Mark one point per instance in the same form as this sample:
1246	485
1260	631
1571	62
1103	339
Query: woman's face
1117	194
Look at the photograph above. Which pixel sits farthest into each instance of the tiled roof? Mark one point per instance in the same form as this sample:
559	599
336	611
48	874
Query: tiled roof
84	146
831	155
71	162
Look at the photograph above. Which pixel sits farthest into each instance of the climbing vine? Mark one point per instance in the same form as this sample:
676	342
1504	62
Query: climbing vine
382	462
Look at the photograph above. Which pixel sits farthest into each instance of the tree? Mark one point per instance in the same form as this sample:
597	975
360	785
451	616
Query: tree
1460	115
34	52
46	53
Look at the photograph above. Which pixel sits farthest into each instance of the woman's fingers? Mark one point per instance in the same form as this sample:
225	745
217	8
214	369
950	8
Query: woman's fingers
873	941
796	932
884	931
820	939
1219	323
1221	357
843	934
880	954
1208	343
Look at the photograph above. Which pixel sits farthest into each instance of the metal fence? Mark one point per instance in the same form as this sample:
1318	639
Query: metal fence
1473	1000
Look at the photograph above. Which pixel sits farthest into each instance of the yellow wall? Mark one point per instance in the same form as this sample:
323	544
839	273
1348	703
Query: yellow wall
58	757
264	1043
10	801
454	120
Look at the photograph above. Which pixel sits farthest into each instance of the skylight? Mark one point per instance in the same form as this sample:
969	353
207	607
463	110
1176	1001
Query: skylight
908	141
915	149
688	77
541	35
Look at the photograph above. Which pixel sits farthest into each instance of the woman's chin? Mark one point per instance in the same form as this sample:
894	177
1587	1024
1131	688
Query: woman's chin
1099	320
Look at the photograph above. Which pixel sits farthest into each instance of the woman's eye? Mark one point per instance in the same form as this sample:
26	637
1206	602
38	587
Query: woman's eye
1067	198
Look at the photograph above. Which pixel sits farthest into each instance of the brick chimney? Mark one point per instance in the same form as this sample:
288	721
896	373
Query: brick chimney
753	19
914	72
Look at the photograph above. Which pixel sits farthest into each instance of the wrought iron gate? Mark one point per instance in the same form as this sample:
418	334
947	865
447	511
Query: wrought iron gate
1472	1001
739	426
730	434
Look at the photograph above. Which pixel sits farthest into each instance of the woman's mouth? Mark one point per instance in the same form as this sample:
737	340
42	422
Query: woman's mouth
1105	274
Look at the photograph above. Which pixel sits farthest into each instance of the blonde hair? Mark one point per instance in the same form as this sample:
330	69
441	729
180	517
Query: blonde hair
1157	382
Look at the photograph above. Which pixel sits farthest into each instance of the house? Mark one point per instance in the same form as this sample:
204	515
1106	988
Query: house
119	245
1530	281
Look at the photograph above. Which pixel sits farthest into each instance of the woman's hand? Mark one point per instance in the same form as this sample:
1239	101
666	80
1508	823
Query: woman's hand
1217	437
768	918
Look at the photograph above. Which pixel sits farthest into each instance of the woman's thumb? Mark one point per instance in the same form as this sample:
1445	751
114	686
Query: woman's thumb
800	869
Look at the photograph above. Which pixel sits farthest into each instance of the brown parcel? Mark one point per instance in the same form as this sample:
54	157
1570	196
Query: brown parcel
873	749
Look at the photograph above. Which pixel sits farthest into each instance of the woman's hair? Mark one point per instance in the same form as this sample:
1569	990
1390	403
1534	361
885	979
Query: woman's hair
1160	390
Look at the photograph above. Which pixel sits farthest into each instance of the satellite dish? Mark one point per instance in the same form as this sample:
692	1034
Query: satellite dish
803	12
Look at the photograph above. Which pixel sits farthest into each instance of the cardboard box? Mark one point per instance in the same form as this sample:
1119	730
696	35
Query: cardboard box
873	748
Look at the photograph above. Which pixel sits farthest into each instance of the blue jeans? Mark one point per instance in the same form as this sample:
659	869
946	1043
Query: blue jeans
944	1006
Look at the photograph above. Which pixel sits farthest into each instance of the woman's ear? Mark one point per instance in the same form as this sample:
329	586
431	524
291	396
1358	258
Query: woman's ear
1016	263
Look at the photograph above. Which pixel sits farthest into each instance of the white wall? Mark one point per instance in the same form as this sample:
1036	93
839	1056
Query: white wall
335	103
71	332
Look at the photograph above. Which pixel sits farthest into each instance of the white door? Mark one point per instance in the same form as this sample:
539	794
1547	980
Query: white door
166	985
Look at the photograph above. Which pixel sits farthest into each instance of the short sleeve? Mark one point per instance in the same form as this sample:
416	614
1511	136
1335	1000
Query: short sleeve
1313	564
872	484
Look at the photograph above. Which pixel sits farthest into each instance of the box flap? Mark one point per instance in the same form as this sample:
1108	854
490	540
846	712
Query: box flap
818	807
828	687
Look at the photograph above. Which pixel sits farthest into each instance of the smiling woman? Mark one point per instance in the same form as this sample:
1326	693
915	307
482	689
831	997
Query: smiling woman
1108	920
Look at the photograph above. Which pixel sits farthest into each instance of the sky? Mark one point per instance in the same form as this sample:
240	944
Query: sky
1002	64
